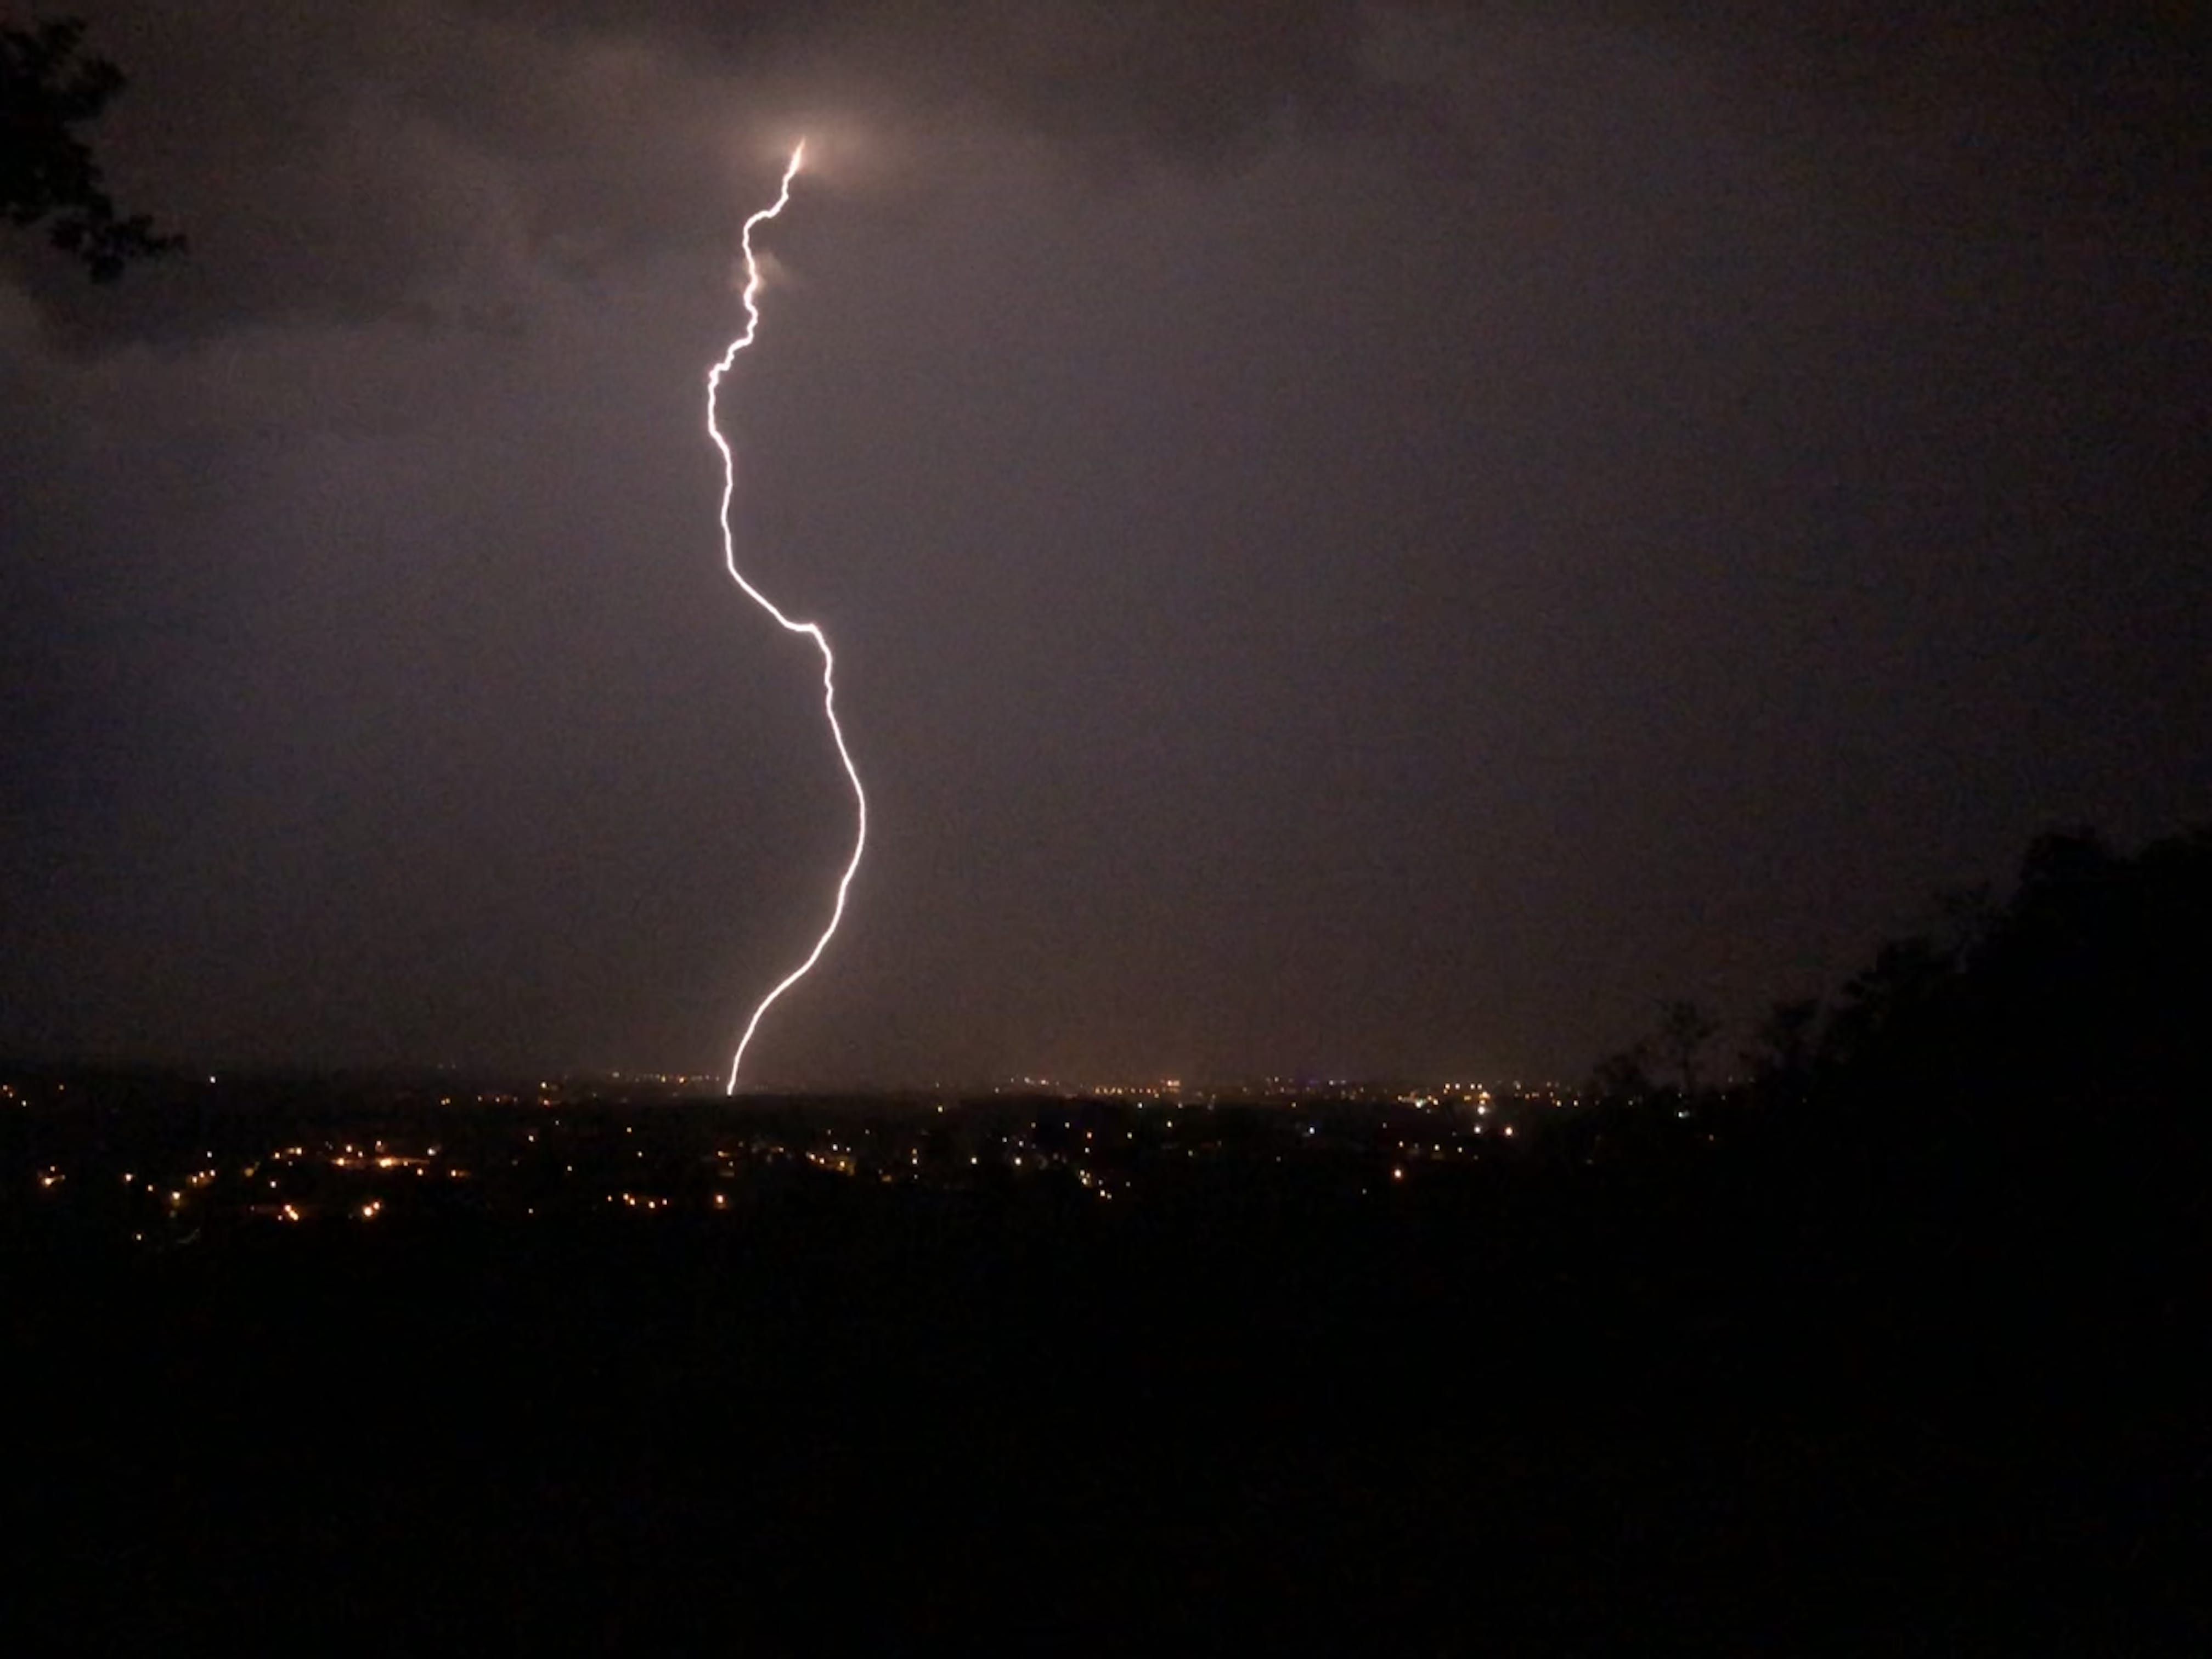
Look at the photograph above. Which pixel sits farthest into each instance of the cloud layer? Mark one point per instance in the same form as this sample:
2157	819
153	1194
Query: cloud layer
433	159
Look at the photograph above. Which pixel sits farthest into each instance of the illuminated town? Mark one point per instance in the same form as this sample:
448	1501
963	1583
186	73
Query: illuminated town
169	1160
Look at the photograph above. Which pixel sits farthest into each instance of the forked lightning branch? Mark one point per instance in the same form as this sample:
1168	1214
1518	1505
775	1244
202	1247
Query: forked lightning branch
812	630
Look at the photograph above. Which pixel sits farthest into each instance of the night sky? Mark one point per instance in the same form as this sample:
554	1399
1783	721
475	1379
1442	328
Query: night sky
1372	540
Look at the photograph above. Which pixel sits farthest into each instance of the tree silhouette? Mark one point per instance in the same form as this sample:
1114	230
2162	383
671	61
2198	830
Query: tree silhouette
48	174
1684	1030
1897	1015
1623	1076
1782	1060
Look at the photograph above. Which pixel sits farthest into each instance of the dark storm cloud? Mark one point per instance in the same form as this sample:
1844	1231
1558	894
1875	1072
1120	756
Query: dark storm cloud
1150	71
429	159
425	160
2071	111
377	161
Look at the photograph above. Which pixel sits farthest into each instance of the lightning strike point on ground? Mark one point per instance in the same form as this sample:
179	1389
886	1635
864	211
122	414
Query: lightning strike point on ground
812	630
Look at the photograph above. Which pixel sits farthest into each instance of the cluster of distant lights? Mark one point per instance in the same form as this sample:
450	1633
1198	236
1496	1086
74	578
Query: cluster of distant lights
855	1155
376	1158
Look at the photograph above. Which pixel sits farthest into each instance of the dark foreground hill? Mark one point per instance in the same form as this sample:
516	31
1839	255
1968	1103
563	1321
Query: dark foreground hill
1902	1349
1582	1415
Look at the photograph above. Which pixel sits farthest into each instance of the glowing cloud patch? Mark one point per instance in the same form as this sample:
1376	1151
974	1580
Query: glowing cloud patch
812	630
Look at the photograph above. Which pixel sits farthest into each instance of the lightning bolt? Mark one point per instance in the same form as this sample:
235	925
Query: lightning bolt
812	630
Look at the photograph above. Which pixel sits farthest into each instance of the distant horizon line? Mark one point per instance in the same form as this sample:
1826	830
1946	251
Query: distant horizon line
541	1077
